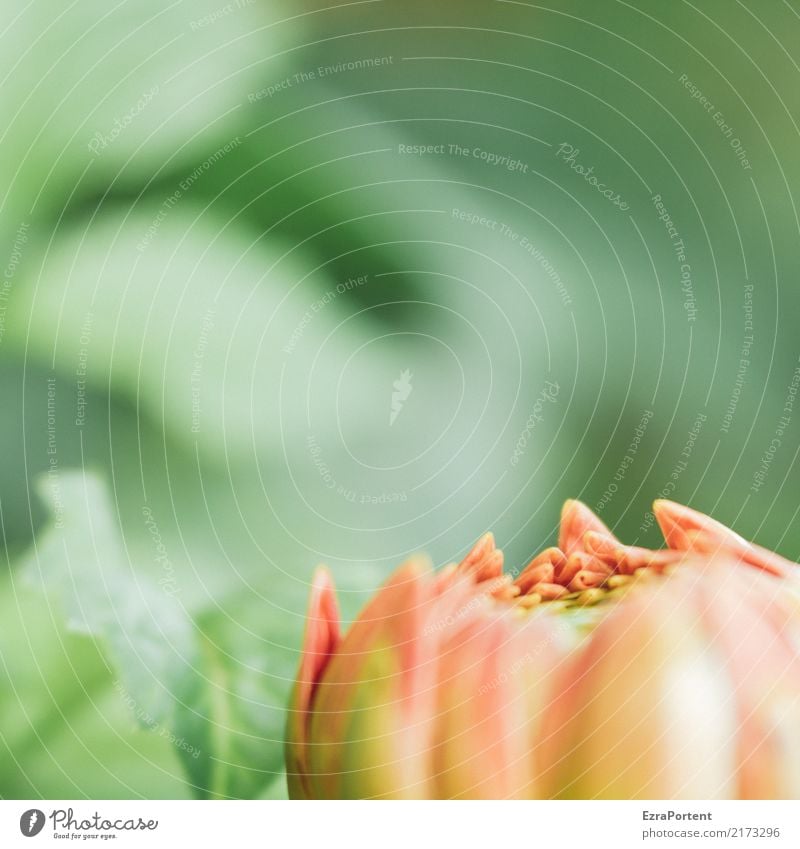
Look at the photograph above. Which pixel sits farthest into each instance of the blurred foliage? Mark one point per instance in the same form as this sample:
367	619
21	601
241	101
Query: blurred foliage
183	188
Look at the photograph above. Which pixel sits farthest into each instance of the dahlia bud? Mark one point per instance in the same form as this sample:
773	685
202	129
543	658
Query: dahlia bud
600	671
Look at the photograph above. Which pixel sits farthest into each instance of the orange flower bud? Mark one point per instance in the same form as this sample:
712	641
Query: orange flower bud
602	671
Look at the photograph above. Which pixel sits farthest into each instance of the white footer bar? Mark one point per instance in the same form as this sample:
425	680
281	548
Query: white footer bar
406	825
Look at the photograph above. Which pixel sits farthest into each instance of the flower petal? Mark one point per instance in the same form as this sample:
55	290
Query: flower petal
683	528
490	705
757	634
369	730
321	641
638	712
576	520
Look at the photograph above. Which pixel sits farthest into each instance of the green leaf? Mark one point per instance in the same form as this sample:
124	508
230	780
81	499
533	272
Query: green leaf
215	688
192	327
64	730
149	637
85	105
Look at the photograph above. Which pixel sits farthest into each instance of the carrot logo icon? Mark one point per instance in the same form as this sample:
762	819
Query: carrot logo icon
31	822
402	391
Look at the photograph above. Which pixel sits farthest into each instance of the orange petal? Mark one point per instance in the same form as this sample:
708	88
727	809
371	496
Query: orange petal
445	578
533	575
482	548
543	567
371	722
585	580
490	567
682	526
677	523
634	558
320	642
473	743
576	520
640	710
604	546
501	588
595	564
755	633
570	569
768	560
548	592
491	703
626	559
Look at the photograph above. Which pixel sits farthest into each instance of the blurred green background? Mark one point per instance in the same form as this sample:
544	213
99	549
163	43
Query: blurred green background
227	232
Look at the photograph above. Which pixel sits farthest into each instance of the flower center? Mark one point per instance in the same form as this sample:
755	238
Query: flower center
596	568
599	567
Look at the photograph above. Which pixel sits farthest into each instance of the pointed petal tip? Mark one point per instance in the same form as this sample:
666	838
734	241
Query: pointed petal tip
482	549
598	543
574	509
491	566
576	520
414	570
322	603
320	641
670	511
686	517
322	580
675	521
322	627
685	528
416	566
681	522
